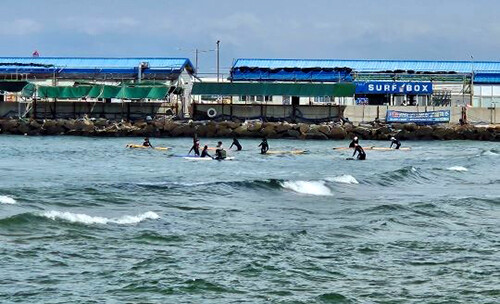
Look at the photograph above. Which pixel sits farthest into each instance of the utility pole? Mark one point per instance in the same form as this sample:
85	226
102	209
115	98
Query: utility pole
196	61
218	59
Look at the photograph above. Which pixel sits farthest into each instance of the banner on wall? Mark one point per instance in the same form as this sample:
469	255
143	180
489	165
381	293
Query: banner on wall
386	87
431	117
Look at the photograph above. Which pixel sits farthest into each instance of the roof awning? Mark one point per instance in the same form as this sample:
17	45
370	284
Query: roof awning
12	86
274	89
105	91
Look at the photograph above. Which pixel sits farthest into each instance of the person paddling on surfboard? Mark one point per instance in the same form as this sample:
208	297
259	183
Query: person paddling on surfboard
361	153
264	146
146	143
195	147
396	142
220	153
354	142
236	143
204	153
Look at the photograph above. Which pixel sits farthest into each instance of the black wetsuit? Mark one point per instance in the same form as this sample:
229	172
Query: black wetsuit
147	144
195	148
360	151
237	144
395	142
204	153
264	147
353	142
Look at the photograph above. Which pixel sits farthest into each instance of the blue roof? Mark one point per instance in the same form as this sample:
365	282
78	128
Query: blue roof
92	64
373	65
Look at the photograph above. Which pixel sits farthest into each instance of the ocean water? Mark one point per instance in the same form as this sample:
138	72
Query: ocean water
85	220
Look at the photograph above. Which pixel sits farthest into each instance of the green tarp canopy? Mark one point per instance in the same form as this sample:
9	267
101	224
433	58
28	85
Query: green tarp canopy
12	85
63	92
104	91
274	89
28	90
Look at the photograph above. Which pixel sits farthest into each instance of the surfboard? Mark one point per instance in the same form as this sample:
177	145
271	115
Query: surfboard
196	158
294	152
133	146
375	148
389	149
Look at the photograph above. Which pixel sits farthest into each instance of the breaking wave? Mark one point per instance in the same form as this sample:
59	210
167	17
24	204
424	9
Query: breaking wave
457	168
89	220
308	187
343	179
7	200
402	174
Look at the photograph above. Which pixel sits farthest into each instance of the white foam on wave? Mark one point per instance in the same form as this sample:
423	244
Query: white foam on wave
458	168
89	220
490	153
343	179
4	199
308	187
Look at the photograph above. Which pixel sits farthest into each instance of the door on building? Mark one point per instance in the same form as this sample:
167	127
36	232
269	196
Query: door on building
295	101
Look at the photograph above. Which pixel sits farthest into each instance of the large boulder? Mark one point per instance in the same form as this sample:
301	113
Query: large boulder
269	130
224	131
9	125
338	133
51	127
315	134
283	127
23	127
411	126
325	129
362	132
293	133
303	128
254	127
242	131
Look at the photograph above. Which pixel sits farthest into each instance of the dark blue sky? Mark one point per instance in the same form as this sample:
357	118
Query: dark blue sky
381	29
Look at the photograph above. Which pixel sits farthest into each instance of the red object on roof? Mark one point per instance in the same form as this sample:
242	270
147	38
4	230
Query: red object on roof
36	54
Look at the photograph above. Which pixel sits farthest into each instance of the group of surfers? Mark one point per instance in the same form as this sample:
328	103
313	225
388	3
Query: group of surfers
361	152
220	152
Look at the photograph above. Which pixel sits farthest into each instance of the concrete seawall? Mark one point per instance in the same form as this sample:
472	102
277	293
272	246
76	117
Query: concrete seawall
170	128
236	112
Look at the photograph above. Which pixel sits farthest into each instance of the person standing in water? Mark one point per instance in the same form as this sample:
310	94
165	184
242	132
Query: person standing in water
146	143
354	142
264	146
396	142
236	143
361	153
220	153
195	147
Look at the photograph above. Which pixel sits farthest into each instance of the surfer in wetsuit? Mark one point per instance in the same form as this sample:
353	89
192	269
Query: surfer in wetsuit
236	143
146	143
204	152
195	147
220	153
361	153
396	142
264	146
355	141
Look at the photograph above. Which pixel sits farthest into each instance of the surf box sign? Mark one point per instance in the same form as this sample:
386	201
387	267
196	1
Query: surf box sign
430	117
386	87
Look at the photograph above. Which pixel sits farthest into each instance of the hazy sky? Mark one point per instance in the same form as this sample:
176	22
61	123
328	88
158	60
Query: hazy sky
374	29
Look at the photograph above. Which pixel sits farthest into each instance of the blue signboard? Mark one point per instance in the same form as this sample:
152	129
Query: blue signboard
388	87
431	117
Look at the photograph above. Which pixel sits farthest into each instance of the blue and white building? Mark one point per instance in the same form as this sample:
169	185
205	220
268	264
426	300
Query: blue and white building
380	82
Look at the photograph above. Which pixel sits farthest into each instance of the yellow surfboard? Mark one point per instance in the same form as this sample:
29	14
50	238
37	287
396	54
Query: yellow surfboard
133	146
